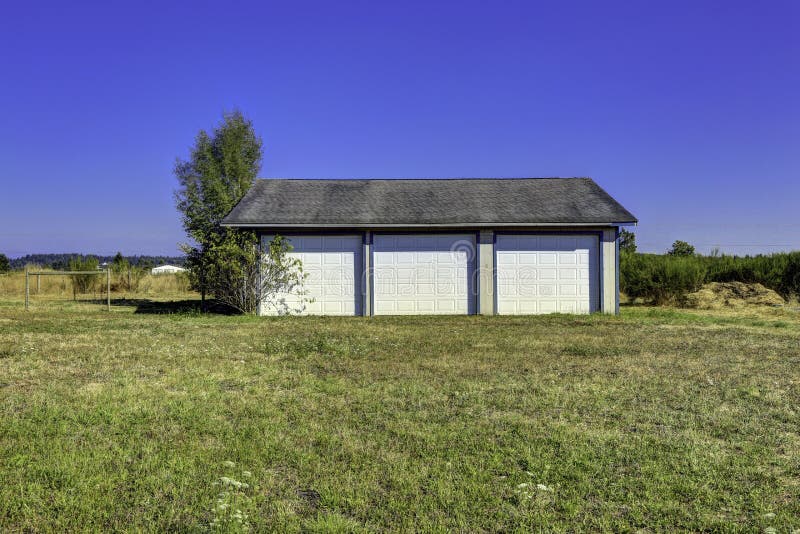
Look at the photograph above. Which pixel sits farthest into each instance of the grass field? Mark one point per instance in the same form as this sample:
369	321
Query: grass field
659	419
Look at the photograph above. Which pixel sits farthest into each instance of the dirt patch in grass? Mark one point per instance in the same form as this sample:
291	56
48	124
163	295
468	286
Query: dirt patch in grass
717	295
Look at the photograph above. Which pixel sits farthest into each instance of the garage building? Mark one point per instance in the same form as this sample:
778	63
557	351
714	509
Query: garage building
444	246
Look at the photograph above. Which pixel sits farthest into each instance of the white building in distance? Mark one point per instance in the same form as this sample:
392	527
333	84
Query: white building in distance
167	269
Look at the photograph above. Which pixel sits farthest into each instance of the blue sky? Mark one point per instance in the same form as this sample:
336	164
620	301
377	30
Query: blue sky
687	112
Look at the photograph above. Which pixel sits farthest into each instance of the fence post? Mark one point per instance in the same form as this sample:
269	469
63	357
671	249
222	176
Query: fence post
38	283
27	289
108	287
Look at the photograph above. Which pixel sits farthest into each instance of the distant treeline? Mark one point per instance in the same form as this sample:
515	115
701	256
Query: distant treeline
60	262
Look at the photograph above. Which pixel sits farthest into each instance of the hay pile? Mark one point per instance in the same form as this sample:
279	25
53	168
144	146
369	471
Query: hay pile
718	295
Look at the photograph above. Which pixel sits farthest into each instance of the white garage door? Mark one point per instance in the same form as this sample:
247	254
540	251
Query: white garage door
423	274
334	265
547	274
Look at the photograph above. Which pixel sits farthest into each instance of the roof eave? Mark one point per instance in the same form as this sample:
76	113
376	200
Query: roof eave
445	225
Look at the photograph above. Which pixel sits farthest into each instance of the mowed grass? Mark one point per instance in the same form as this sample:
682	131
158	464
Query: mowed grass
658	420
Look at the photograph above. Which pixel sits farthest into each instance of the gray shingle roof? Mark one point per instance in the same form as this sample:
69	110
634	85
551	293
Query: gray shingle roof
426	202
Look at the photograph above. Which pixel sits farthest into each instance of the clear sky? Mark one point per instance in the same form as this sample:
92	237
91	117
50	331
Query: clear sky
687	112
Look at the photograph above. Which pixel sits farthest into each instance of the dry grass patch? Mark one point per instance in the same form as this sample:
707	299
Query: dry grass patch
717	295
51	291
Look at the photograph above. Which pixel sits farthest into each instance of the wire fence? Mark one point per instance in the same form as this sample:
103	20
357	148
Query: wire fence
39	274
37	288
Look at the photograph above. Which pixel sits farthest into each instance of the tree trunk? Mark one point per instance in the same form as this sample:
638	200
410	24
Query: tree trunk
203	293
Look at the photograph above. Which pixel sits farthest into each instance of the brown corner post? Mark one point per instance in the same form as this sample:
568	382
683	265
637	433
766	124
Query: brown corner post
108	287
27	290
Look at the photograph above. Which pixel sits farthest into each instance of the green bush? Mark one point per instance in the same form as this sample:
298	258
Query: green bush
127	277
660	279
83	283
665	278
674	277
790	282
635	275
681	248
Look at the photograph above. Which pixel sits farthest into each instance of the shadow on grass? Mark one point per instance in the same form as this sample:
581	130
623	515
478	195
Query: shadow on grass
167	307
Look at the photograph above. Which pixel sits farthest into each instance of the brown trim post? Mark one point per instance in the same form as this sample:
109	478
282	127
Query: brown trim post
27	290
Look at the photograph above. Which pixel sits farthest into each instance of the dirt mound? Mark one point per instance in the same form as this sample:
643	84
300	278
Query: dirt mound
732	295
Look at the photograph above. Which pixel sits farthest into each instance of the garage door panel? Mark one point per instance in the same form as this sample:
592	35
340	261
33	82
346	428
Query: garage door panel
547	258
385	287
404	275
311	308
405	290
546	306
384	260
446	258
444	288
384	275
403	306
424	306
547	290
568	258
425	274
432	274
567	290
569	274
312	289
333	265
310	260
333	259
313	275
426	289
526	290
333	290
448	273
506	290
547	274
403	258
507	259
505	309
